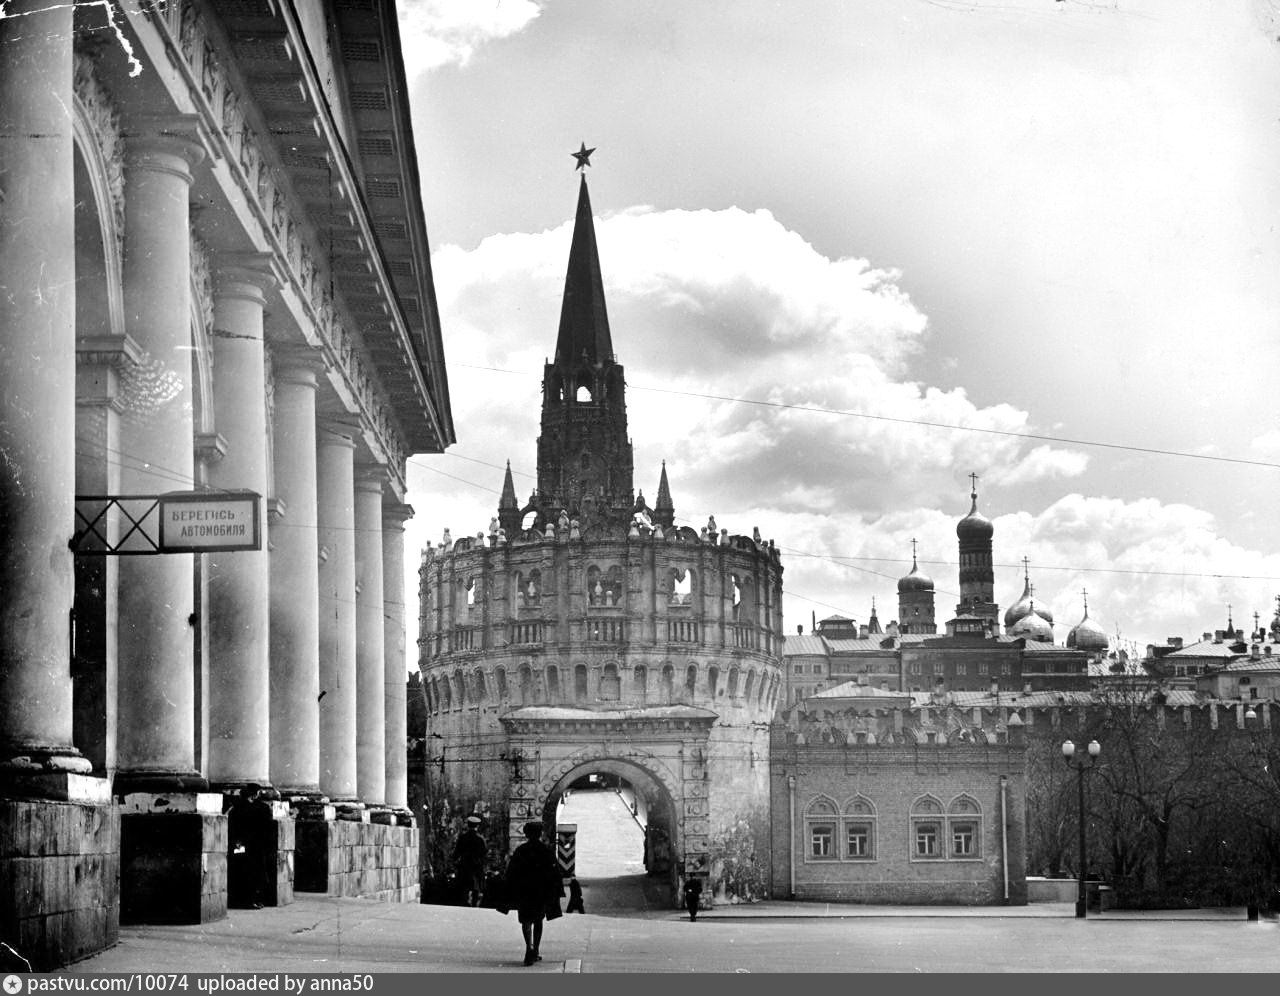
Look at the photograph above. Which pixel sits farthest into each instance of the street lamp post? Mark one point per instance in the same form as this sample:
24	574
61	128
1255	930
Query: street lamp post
1080	766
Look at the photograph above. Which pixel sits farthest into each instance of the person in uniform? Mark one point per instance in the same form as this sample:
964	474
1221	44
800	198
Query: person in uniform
469	857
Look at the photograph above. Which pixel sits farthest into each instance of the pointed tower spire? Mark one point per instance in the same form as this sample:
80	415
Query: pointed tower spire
584	452
664	512
508	507
584	322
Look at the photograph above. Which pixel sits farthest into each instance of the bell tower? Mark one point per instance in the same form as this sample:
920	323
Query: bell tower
584	454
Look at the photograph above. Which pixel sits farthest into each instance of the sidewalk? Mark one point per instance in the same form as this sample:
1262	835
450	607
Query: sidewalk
782	909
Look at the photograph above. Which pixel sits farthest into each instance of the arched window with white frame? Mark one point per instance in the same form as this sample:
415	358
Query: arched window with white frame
964	829
928	825
859	830
821	824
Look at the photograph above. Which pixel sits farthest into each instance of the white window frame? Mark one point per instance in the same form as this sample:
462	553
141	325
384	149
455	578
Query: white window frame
822	814
962	810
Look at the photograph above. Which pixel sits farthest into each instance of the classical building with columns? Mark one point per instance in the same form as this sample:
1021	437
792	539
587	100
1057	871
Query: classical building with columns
216	280
588	634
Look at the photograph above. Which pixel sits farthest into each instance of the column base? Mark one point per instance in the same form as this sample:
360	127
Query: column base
173	858
59	876
159	782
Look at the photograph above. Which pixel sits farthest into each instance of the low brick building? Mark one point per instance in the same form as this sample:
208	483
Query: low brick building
892	811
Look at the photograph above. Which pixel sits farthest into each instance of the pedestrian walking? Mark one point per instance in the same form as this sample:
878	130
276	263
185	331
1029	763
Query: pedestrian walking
533	888
575	898
469	857
692	896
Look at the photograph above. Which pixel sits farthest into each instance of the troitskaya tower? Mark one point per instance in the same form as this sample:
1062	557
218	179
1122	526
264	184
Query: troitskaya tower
589	633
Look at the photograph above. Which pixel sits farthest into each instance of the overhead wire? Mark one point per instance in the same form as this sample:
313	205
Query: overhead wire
1012	433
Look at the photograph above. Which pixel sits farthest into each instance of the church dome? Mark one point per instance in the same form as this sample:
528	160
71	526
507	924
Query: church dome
975	525
915	581
1033	626
1087	635
1019	609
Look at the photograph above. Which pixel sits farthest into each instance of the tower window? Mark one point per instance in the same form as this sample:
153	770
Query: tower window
583	396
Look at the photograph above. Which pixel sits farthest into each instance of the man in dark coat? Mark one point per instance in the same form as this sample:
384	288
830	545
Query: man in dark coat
533	888
692	896
469	857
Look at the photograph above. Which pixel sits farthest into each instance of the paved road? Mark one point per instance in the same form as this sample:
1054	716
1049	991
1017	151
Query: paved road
351	935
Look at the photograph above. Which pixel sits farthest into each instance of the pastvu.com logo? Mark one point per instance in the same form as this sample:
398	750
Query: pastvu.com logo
12	985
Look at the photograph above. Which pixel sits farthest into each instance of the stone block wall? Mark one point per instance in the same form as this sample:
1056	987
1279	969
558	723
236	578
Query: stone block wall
173	867
364	860
59	880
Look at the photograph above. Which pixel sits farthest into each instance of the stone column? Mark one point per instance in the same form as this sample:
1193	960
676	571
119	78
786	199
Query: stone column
102	362
335	512
396	674
371	770
156	733
37	383
238	620
294	578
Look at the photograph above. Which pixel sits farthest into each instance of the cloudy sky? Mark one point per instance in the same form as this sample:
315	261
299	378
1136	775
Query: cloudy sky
831	231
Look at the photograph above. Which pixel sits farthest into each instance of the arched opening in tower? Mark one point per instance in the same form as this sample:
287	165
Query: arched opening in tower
617	835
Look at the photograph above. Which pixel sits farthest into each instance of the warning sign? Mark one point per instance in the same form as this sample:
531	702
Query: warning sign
199	522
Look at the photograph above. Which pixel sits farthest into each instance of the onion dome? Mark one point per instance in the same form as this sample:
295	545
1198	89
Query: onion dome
1033	626
1023	607
975	525
1026	604
1087	635
915	581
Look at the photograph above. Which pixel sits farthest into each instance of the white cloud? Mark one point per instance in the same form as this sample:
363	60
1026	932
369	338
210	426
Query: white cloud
729	304
445	32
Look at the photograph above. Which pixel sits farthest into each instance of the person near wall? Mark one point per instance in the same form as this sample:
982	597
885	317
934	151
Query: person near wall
470	855
533	888
692	896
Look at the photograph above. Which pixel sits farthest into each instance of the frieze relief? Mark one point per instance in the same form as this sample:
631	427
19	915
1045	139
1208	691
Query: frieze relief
263	184
103	119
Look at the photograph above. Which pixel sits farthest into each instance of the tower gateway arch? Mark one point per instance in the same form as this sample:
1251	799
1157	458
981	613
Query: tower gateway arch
586	632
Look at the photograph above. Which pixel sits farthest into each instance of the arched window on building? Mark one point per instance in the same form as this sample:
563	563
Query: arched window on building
466	600
459	690
610	684
821	823
859	829
528	589
639	681
713	681
751	685
433	695
691	683
446	693
553	685
733	682
964	829
479	695
604	587
580	683
500	679
927	828
526	685
667	694
680	585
